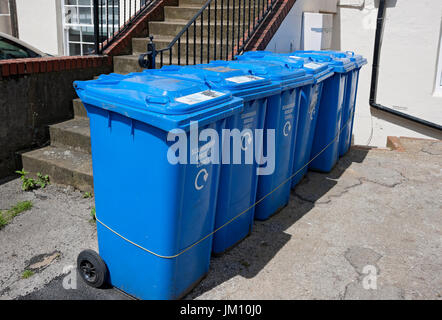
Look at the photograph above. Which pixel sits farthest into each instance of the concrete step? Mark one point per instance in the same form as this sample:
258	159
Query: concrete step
79	109
126	64
63	165
129	64
139	45
188	12
173	27
199	3
74	134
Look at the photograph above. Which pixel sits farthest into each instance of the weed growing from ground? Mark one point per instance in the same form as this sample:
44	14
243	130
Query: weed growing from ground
3	221
29	183
7	216
42	180
93	215
27	274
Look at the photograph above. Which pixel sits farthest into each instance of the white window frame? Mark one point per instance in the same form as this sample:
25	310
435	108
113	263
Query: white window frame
79	25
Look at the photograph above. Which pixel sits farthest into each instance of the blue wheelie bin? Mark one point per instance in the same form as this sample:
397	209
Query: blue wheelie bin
238	180
308	111
325	148
348	107
308	117
282	117
151	213
360	61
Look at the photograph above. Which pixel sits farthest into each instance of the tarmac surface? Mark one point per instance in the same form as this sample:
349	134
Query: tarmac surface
370	229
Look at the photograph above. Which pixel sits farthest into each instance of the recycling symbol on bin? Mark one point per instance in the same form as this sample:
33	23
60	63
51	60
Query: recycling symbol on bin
287	128
205	177
246	140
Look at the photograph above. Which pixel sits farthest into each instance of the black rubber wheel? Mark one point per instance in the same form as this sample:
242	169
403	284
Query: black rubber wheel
92	268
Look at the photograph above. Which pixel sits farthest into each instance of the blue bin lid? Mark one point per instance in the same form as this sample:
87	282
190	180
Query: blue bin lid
339	64
319	71
288	76
241	82
163	102
356	58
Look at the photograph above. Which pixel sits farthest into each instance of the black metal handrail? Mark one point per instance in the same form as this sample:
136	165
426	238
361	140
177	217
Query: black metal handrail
234	24
112	18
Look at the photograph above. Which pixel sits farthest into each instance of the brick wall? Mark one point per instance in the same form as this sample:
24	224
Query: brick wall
268	28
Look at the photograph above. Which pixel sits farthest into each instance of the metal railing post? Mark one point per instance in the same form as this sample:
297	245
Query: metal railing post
147	60
251	21
96	28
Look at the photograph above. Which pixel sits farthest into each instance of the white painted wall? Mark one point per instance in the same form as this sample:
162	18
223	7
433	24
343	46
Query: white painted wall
408	63
39	24
288	36
409	58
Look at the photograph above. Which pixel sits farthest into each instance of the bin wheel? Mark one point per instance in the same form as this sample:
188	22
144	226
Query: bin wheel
92	268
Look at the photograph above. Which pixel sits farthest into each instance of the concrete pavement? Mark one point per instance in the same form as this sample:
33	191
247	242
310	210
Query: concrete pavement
371	229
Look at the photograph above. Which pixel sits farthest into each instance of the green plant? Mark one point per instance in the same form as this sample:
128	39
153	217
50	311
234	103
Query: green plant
30	183
3	221
42	181
8	215
19	208
245	263
87	195
27	183
27	274
93	215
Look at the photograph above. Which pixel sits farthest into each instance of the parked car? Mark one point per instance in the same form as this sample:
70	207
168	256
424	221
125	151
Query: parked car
13	48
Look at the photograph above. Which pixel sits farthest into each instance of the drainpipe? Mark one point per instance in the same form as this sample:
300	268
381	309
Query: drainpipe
13	16
375	72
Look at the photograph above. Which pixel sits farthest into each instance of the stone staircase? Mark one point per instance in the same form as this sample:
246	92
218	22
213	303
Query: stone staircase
176	18
67	160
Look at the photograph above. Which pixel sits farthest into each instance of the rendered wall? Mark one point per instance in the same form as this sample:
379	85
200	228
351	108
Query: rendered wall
288	36
408	64
39	24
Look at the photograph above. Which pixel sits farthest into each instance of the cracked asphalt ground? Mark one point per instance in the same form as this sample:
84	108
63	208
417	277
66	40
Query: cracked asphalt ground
374	221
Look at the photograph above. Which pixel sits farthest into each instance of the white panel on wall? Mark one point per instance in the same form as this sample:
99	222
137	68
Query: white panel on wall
288	37
38	23
317	31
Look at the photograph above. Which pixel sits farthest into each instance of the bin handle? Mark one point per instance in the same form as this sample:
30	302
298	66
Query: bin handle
158	100
303	96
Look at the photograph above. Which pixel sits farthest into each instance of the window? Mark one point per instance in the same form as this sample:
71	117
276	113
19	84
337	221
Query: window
79	25
12	50
438	86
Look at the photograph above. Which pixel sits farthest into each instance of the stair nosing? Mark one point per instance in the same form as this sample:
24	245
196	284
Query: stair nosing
62	164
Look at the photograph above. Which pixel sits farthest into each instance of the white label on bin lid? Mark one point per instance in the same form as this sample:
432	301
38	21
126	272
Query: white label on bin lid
312	65
220	69
244	79
296	58
199	97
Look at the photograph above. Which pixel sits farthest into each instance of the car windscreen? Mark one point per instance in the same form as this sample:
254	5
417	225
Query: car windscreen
11	50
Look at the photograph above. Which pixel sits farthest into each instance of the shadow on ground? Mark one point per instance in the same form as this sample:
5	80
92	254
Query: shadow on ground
249	257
